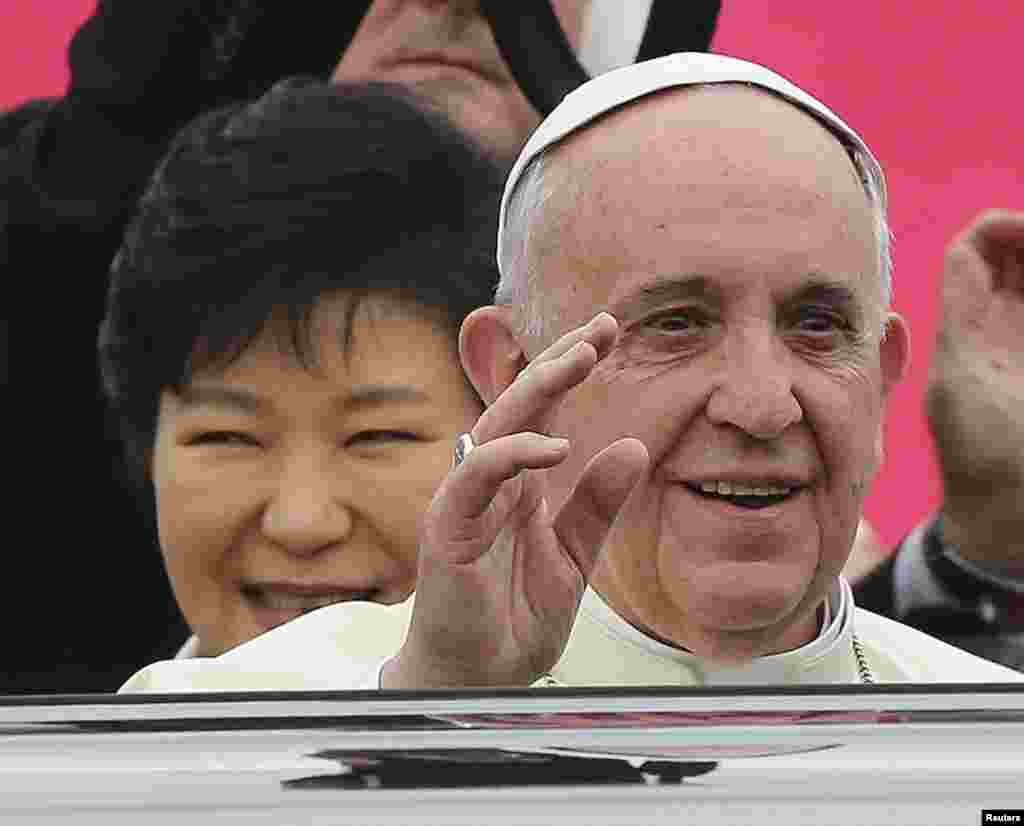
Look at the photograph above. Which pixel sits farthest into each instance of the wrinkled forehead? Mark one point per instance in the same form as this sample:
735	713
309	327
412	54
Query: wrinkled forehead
617	89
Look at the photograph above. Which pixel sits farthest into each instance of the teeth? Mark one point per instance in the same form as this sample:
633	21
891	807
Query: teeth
298	603
742	489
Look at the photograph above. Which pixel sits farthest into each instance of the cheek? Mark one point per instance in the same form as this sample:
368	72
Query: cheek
845	416
845	420
654	406
200	517
397	500
653	403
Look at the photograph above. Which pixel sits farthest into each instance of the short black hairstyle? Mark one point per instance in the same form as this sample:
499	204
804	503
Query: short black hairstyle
260	209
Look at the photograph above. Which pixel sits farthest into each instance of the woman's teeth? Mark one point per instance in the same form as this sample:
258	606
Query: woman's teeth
304	603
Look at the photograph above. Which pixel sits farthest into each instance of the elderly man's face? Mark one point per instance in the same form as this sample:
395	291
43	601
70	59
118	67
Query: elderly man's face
728	233
446	51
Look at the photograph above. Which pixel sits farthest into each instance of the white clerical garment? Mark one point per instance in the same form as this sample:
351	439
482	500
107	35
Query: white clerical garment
344	646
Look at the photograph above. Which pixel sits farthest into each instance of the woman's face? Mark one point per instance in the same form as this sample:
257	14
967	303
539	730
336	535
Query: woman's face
282	488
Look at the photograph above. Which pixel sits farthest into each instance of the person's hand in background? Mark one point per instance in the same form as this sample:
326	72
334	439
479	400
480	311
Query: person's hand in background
976	392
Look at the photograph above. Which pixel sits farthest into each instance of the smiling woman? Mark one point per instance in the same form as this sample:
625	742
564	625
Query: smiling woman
283	487
280	347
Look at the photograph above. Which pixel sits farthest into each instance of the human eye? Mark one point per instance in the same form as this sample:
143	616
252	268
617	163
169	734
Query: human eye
821	321
823	327
380	436
678	321
221	438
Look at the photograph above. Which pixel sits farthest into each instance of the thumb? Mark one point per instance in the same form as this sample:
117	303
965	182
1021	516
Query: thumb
588	514
985	258
966	289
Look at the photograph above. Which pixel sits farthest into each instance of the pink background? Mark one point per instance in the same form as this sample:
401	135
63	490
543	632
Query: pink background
933	85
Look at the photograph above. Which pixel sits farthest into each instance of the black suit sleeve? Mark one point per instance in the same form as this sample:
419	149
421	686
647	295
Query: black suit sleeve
959	619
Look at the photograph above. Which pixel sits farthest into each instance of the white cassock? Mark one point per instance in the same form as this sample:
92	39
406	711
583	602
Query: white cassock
342	647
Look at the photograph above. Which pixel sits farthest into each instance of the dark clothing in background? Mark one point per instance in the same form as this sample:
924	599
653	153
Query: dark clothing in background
93	604
961	622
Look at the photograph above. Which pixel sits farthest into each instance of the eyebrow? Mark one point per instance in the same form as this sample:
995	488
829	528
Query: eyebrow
213	395
662	290
369	395
824	291
362	396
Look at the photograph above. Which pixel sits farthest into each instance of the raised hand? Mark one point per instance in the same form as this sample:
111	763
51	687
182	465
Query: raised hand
500	575
976	390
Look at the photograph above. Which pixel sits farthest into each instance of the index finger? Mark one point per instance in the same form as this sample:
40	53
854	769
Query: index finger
545	380
600	331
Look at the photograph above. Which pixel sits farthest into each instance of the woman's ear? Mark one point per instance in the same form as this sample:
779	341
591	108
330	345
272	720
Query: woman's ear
491	353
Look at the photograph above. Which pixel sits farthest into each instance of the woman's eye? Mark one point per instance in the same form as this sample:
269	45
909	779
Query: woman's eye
382	436
223	437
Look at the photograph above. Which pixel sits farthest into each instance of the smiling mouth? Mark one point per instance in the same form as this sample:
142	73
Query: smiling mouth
288	603
750	497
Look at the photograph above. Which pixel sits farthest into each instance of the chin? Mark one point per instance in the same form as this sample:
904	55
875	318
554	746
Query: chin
213	645
735	647
753	601
497	124
767	587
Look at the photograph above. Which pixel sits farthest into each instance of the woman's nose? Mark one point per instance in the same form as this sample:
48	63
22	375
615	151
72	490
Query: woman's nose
309	511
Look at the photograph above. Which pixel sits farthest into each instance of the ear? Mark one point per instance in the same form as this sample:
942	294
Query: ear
894	355
490	350
894	352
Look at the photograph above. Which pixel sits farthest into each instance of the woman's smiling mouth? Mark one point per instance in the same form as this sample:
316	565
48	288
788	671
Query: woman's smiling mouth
277	603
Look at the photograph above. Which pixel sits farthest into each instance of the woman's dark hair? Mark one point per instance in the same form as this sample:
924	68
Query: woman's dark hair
258	210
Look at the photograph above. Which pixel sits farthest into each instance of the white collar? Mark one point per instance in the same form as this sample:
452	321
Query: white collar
830	651
604	634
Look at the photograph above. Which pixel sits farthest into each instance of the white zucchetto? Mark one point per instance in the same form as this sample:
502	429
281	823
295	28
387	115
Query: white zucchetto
620	86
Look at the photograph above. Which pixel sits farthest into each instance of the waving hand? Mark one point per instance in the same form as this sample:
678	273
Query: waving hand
500	575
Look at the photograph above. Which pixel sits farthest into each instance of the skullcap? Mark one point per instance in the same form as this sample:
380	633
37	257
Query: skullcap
620	86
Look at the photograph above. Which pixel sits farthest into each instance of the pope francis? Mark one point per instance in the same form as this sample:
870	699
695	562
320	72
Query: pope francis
685	372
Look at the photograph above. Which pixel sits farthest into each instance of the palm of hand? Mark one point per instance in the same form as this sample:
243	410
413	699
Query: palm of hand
976	386
500	576
517	598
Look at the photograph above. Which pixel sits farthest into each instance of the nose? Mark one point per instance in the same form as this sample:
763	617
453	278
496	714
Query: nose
309	510
754	392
